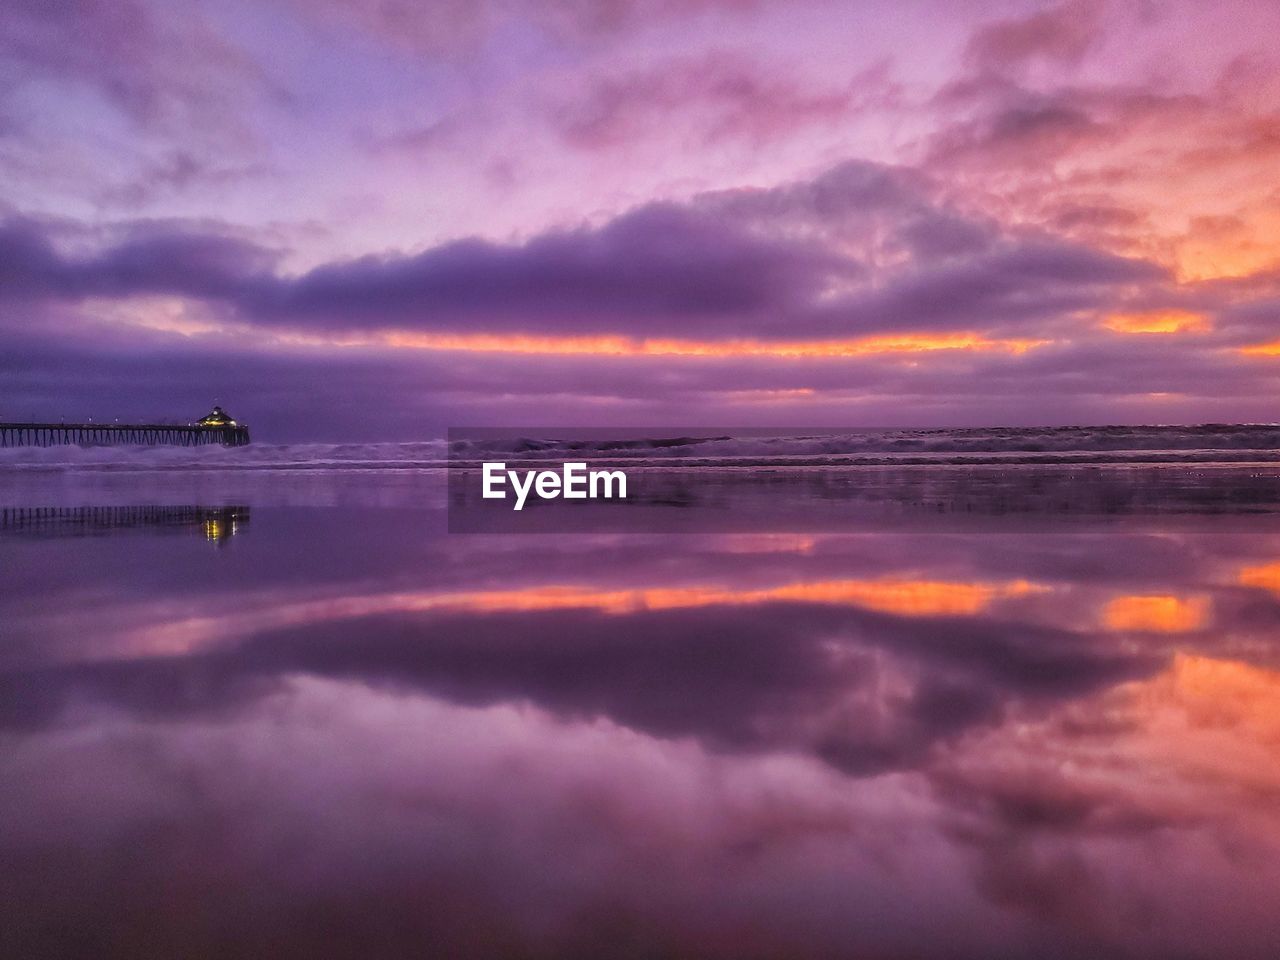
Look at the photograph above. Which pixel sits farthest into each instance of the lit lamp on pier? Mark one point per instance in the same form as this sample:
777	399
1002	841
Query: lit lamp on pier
217	418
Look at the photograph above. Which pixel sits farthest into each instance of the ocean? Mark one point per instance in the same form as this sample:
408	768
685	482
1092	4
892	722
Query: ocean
878	693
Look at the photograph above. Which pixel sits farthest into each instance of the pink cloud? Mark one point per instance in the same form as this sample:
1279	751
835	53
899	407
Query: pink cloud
1061	34
726	95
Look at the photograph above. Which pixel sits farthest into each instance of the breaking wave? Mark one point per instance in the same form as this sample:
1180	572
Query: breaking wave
1206	443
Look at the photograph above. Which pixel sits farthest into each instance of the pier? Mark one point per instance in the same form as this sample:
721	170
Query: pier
217	427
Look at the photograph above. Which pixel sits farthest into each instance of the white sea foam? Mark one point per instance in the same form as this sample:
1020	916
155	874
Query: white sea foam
214	457
1120	444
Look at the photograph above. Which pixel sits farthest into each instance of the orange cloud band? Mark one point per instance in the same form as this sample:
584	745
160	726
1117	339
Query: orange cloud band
1262	349
906	343
1157	321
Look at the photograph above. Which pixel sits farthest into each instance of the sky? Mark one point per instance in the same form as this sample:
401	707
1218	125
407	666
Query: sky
375	219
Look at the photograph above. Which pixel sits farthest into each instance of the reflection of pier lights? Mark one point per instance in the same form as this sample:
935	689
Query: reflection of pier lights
215	524
218	529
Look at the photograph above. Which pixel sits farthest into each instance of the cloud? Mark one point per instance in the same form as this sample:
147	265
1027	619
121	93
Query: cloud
149	258
724	96
1058	35
858	253
666	265
862	292
1024	133
1176	173
174	173
157	68
453	28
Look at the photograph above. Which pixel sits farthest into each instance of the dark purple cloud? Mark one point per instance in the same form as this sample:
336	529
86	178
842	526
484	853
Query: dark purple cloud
149	258
664	265
792	263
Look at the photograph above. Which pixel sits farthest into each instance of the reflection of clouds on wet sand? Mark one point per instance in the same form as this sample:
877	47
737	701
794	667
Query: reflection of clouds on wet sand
903	597
1147	814
1161	613
1264	577
1141	818
767	745
490	828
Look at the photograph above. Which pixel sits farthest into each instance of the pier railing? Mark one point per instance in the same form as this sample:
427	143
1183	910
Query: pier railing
108	434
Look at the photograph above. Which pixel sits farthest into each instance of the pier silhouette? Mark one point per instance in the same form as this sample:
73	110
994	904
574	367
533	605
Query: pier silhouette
216	427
